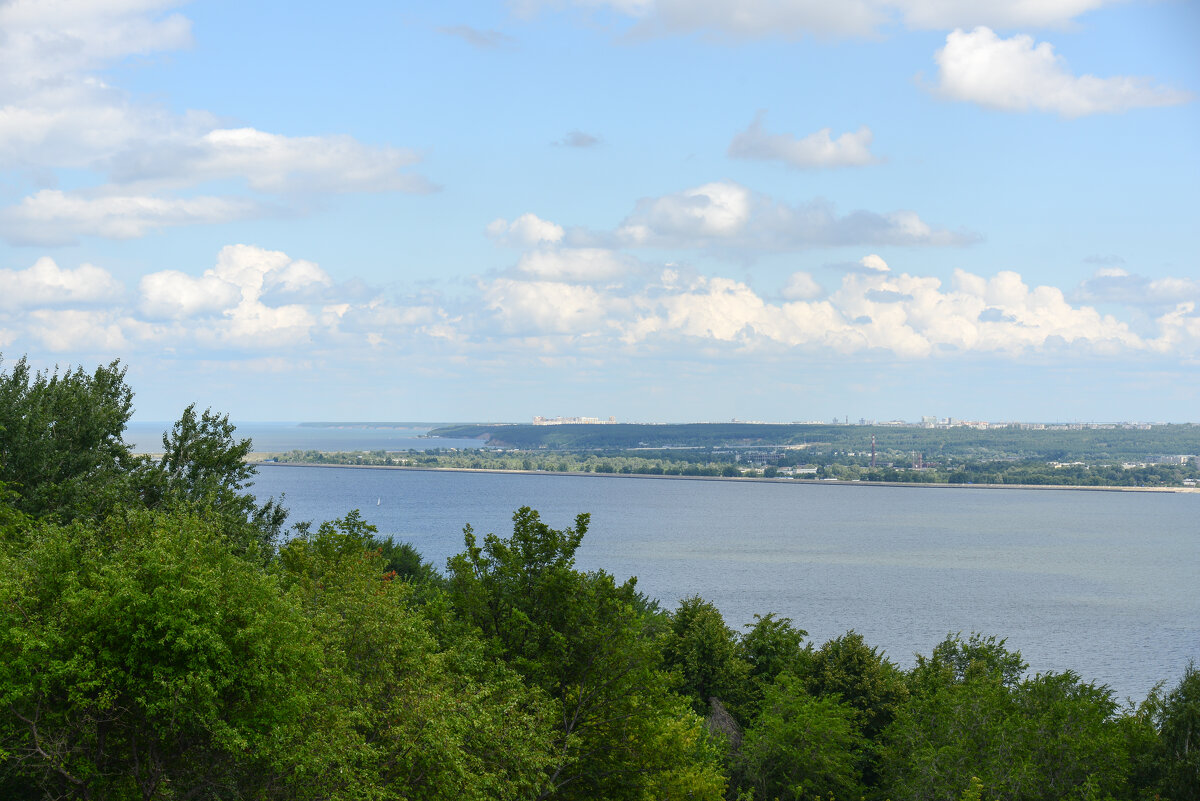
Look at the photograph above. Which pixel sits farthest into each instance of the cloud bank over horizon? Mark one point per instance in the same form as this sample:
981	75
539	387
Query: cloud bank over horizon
255	301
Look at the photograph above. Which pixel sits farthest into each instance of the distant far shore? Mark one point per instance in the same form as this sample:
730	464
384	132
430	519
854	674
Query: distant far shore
259	460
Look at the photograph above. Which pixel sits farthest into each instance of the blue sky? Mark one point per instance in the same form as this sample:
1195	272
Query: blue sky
652	209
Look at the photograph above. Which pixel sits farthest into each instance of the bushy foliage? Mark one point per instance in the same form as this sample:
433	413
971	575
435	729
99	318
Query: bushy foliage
412	720
972	717
143	654
861	676
203	467
771	646
61	446
580	638
802	746
957	661
703	653
1179	723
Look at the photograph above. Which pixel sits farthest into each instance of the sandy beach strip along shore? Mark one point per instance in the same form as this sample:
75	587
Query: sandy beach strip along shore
259	460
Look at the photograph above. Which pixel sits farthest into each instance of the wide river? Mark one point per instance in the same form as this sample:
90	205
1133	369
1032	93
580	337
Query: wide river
1103	583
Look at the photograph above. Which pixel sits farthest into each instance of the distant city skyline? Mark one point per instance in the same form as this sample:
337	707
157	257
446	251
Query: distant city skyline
652	210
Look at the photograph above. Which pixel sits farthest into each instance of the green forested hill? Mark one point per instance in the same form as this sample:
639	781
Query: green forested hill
1046	444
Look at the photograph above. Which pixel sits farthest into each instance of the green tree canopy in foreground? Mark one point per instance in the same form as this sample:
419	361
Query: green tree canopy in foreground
163	638
61	446
580	638
141	655
203	465
803	746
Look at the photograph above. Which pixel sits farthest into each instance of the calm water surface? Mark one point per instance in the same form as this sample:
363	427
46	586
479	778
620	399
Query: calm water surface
1103	583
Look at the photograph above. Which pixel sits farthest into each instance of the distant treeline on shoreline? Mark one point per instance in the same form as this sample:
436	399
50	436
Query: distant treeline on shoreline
267	460
1160	456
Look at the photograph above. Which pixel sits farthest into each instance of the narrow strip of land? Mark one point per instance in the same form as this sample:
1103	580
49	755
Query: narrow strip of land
262	462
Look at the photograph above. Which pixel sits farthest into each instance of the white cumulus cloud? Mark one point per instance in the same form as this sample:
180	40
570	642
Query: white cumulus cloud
258	325
874	263
64	330
713	210
45	39
943	14
58	111
46	284
575	264
274	163
230	298
546	307
727	215
170	293
54	217
1016	74
815	150
792	19
873	310
566	299
528	229
1116	285
713	308
802	286
297	277
251	299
